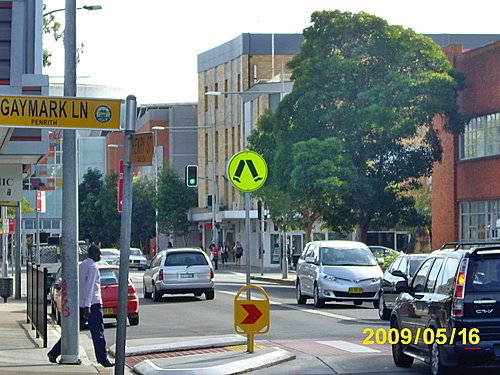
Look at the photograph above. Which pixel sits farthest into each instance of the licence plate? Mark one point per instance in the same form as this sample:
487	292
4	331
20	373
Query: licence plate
108	311
356	290
187	275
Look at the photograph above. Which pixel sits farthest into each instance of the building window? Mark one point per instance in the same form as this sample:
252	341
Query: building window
216	98
481	137
478	220
28	224
205	98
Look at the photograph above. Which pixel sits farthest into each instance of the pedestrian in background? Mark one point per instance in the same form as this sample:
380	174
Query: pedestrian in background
224	252
214	251
90	307
238	252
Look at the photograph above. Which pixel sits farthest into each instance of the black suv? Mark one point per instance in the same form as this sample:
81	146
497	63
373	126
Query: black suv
453	301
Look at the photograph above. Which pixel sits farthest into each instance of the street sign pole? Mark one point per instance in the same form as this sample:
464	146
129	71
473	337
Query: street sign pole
125	229
70	323
249	257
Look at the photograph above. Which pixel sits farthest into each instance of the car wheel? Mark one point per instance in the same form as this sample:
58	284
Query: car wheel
301	300
210	295
358	303
383	312
318	301
133	320
145	292
156	294
436	365
400	359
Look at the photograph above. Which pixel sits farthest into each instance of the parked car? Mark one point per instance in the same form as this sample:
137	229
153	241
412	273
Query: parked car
179	271
456	294
137	259
110	255
337	271
109	293
382	252
402	268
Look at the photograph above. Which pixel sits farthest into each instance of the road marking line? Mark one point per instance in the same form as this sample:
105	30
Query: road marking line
349	346
317	312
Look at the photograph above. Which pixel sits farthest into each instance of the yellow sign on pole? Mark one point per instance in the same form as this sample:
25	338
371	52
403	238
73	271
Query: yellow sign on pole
247	171
251	316
59	112
142	149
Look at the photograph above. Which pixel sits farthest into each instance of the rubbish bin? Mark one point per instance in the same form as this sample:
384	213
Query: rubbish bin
6	287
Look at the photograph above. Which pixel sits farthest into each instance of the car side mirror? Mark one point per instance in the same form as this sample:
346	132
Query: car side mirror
402	287
310	260
399	273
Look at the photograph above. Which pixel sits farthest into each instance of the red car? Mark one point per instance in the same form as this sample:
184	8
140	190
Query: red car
109	292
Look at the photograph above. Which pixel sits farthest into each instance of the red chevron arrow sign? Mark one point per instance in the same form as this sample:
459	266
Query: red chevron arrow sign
253	313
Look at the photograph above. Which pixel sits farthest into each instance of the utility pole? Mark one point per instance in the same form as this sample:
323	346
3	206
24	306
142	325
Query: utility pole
70	324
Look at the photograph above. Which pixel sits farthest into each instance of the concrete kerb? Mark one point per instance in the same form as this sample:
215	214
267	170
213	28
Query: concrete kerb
161	345
274	279
215	363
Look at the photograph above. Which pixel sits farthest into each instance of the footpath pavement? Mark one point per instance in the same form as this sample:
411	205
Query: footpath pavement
21	352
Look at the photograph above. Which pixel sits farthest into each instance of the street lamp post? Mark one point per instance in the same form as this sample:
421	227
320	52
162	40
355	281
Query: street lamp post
86	7
156	129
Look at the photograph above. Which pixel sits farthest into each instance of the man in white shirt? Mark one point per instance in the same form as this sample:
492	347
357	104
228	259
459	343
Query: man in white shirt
90	307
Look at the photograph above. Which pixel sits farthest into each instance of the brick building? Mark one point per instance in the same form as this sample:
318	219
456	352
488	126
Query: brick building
466	183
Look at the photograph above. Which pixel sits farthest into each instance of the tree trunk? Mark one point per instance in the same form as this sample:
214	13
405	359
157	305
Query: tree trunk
362	231
308	230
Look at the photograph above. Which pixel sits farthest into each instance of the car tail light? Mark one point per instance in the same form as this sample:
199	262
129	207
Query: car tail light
212	274
457	307
160	275
131	293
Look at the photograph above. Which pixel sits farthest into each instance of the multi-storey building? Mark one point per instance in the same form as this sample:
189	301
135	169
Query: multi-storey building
229	79
465	184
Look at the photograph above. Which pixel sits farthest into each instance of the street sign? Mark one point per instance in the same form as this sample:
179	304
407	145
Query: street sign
60	112
11	183
247	171
142	149
40	201
251	316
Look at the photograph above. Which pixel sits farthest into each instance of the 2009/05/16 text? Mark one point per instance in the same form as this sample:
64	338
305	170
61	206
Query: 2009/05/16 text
428	336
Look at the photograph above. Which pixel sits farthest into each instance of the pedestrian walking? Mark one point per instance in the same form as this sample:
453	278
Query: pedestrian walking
90	307
214	251
238	252
224	252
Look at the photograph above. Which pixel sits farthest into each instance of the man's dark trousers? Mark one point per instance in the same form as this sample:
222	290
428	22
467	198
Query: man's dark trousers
96	327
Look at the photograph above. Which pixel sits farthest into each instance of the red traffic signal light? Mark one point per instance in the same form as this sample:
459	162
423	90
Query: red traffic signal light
191	175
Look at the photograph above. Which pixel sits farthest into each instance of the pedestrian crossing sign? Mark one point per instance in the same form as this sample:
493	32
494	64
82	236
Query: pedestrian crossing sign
247	171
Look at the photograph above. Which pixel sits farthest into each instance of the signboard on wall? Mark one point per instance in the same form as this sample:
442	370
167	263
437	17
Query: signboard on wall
11	184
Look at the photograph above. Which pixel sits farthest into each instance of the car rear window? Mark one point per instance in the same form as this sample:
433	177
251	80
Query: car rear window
414	264
484	273
108	276
185	259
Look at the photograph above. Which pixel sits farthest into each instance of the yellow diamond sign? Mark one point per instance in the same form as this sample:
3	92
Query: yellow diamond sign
247	171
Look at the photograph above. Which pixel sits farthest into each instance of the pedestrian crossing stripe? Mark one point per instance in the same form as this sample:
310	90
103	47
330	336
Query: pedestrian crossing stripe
349	346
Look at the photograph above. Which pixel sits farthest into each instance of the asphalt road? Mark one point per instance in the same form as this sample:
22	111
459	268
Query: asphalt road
326	341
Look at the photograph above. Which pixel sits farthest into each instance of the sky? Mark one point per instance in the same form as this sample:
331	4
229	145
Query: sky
149	48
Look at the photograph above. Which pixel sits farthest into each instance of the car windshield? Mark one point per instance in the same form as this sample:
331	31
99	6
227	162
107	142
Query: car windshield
186	259
414	264
135	252
109	276
347	257
110	252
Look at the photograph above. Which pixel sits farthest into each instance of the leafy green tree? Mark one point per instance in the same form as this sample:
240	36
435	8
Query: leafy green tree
174	201
143	212
372	88
88	194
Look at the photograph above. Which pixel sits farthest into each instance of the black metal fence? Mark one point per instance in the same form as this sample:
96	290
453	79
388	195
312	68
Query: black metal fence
37	284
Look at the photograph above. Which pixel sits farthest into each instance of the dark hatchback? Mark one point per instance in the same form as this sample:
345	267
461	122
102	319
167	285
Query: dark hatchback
402	268
455	291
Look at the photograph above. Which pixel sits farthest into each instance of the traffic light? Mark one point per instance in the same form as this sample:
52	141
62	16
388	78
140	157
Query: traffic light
191	175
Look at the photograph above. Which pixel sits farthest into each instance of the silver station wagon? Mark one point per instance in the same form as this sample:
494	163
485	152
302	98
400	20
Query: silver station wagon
179	271
338	271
